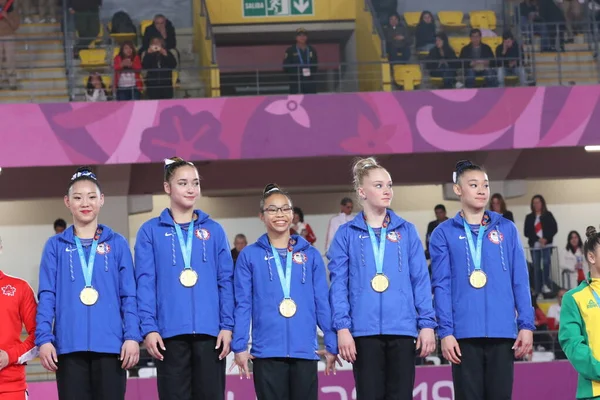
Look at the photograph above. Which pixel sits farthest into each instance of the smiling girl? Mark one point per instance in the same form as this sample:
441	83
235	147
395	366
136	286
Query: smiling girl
280	284
380	291
481	291
87	318
184	273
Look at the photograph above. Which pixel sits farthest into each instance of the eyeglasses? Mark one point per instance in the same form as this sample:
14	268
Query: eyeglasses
274	210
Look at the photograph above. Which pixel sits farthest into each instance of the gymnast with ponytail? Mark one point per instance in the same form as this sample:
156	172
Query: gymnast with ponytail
580	322
380	291
481	292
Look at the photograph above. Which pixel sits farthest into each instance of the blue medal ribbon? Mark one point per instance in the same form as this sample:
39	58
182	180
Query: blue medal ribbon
594	292
475	252
300	55
186	249
87	267
285	280
378	251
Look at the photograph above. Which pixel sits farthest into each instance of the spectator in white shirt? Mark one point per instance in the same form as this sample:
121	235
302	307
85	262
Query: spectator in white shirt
554	310
345	215
573	265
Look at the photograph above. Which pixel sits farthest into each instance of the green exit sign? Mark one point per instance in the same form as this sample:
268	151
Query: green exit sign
277	8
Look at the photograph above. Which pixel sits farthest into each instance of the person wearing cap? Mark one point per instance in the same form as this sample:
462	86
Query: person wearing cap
300	64
508	58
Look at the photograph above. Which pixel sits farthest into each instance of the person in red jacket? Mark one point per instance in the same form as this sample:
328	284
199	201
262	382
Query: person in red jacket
128	80
301	228
18	307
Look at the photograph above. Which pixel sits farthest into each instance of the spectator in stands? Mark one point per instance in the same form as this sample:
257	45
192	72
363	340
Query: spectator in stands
554	310
59	226
397	40
541	341
540	228
572	10
86	14
164	29
425	33
442	61
440	216
300	64
44	9
239	243
301	228
9	23
95	89
384	8
345	215
159	65
573	265
551	14
476	58
128	79
508	59
532	23
497	204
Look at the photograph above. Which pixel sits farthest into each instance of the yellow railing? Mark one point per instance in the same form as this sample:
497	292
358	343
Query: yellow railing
232	12
369	52
205	48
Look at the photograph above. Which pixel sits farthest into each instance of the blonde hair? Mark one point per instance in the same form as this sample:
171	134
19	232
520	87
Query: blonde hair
361	168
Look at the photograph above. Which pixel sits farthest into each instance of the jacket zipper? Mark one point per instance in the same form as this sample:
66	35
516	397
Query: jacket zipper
88	329
381	313
193	312
287	336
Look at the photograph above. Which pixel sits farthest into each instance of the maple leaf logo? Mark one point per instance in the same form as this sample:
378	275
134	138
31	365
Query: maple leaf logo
9	290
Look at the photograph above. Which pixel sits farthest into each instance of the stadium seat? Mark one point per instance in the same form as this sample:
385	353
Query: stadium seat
483	19
412	18
458	42
493	42
451	19
91	58
121	37
116	51
408	76
175	78
144	24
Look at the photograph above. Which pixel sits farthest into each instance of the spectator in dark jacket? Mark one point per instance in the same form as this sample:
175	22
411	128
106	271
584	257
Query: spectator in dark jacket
159	64
301	64
497	204
239	243
540	228
86	15
161	28
476	58
508	59
551	13
442	61
397	40
425	32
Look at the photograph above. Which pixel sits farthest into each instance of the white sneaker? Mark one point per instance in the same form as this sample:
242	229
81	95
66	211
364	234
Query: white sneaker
42	21
27	20
546	289
52	20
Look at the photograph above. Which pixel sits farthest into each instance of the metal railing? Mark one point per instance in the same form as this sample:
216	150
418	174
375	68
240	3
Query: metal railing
377	27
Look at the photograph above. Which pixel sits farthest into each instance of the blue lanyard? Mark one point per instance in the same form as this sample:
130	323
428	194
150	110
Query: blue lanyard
300	55
378	251
475	252
595	294
186	249
87	267
286	281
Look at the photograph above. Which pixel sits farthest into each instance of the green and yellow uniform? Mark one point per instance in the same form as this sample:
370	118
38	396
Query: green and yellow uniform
579	336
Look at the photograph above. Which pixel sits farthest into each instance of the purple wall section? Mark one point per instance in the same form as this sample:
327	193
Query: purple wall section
298	126
533	381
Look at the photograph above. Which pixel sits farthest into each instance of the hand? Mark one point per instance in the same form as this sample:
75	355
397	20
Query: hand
241	360
330	361
163	52
426	342
399	37
543	241
524	343
512	64
152	343
130	354
151	50
48	357
71	11
126	62
451	349
346	345
224	339
3	13
3	359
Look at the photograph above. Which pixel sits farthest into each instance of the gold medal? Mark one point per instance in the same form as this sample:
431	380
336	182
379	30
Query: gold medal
478	279
188	277
287	308
88	296
380	283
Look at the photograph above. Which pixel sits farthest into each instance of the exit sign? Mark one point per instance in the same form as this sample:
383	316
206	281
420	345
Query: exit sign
277	8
